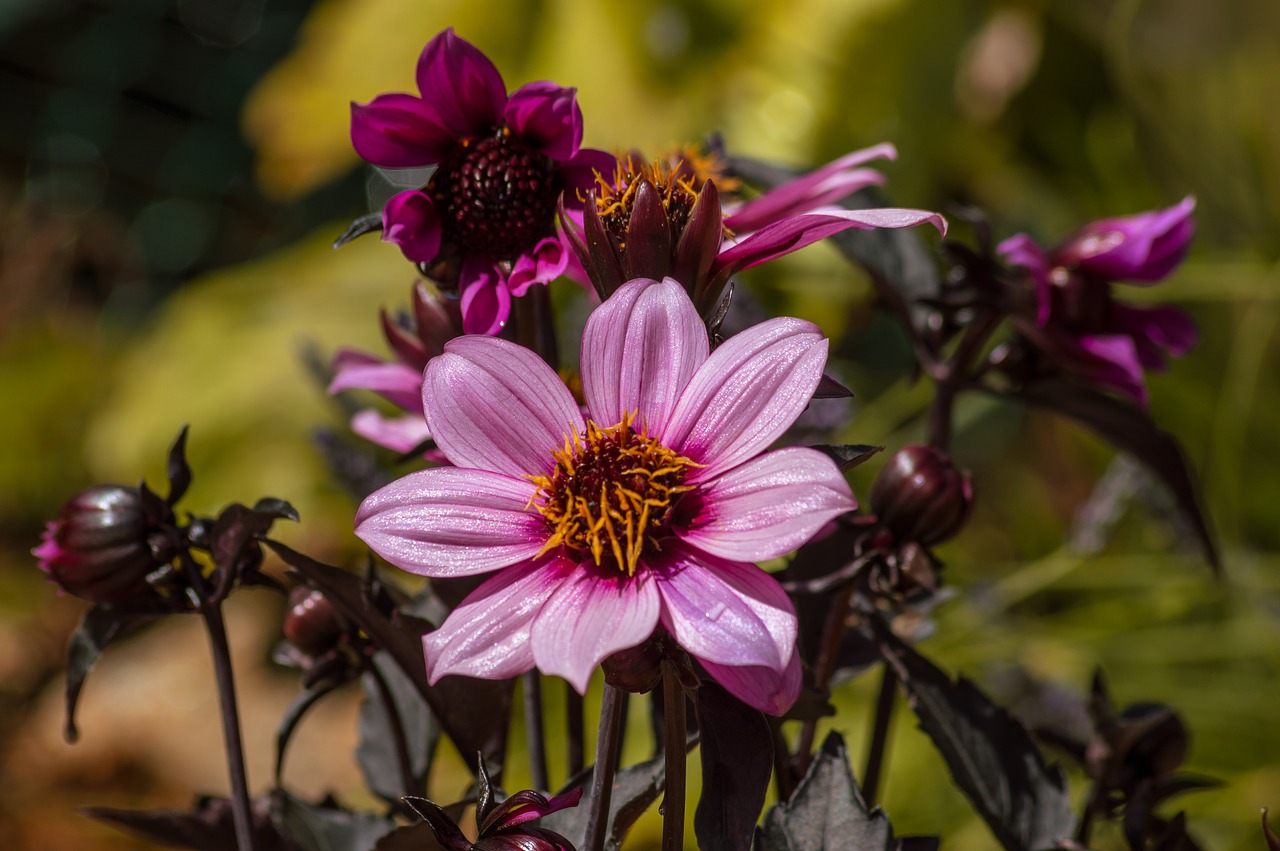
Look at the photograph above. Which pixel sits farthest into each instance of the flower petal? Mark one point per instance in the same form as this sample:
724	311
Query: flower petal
592	616
497	406
1163	328
764	688
410	221
399	131
1142	248
768	506
399	434
487	635
640	349
724	612
461	85
449	521
578	175
1113	361
545	262
747	394
547	118
396	382
486	301
1022	250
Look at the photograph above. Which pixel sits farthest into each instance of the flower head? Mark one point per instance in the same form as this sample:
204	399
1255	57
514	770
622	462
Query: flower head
501	163
1076	318
647	512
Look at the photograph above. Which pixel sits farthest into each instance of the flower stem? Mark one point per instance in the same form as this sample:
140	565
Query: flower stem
534	732
879	734
577	734
782	766
675	758
606	767
535	324
408	782
823	667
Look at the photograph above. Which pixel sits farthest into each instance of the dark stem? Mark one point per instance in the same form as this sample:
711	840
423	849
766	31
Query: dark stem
675	757
534	731
823	667
606	767
408	782
879	734
781	761
1086	818
212	614
573	711
953	376
535	324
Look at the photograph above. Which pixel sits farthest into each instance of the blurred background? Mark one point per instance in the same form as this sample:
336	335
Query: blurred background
173	172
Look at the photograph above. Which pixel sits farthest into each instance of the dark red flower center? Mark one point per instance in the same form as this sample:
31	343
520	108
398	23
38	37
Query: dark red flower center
496	196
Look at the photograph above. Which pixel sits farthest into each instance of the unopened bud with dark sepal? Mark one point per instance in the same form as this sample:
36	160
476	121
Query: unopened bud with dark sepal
921	496
312	623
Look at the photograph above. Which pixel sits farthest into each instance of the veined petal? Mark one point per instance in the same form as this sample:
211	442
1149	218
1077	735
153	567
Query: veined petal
724	612
449	521
746	394
396	382
461	84
487	635
764	688
1140	248
1113	360
640	349
768	506
592	616
486	301
497	406
399	131
410	221
399	434
578	175
545	262
547	118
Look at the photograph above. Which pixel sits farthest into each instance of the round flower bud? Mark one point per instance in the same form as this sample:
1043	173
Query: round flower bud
921	496
97	548
311	623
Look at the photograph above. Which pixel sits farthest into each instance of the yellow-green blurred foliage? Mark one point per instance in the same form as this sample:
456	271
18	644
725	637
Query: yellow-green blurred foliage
1046	114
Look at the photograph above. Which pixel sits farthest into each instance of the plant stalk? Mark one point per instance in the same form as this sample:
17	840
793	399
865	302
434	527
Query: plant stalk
576	746
606	767
675	757
879	734
534	733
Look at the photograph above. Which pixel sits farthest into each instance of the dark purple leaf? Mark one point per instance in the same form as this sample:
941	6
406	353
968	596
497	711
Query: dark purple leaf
635	788
208	826
1273	840
415	837
826	811
1128	427
848	455
1173	836
236	536
992	757
377	753
292	715
829	388
327	828
179	471
736	748
365	224
99	626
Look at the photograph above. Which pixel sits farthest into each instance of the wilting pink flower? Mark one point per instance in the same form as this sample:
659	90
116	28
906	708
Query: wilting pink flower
648	511
501	164
1077	320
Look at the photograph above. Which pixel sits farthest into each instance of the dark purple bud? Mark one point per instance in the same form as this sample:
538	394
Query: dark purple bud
921	496
97	548
602	262
699	244
311	624
637	669
648	252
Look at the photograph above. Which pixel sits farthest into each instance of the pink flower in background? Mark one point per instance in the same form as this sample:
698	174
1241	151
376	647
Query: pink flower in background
647	512
1077	319
501	164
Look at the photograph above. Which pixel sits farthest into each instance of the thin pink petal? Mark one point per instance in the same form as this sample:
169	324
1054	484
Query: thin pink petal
448	521
398	383
497	406
764	688
722	611
578	175
747	394
399	131
590	617
487	636
1022	250
399	434
410	221
547	118
545	262
640	349
768	506
1113	360
486	301
461	84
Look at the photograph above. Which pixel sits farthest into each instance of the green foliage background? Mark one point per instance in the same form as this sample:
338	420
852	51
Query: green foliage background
1045	114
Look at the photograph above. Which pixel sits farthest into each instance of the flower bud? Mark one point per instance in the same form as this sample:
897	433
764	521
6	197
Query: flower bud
97	548
1144	247
921	496
311	623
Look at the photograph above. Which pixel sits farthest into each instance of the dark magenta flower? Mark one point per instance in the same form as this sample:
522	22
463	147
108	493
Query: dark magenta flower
501	164
649	510
1077	320
503	827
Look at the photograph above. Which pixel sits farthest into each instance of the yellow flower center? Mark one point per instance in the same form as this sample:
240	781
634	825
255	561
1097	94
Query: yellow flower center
610	495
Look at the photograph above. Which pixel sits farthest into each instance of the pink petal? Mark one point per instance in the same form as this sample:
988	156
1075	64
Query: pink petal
747	394
723	611
1164	327
768	506
410	221
486	301
399	434
461	84
399	131
547	118
1114	361
487	635
542	265
448	521
795	233
1141	248
497	406
1022	250
579	175
640	349
396	382
592	616
827	185
764	688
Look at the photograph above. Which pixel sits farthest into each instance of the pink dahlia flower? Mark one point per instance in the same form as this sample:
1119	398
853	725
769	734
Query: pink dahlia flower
501	164
648	511
1077	319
